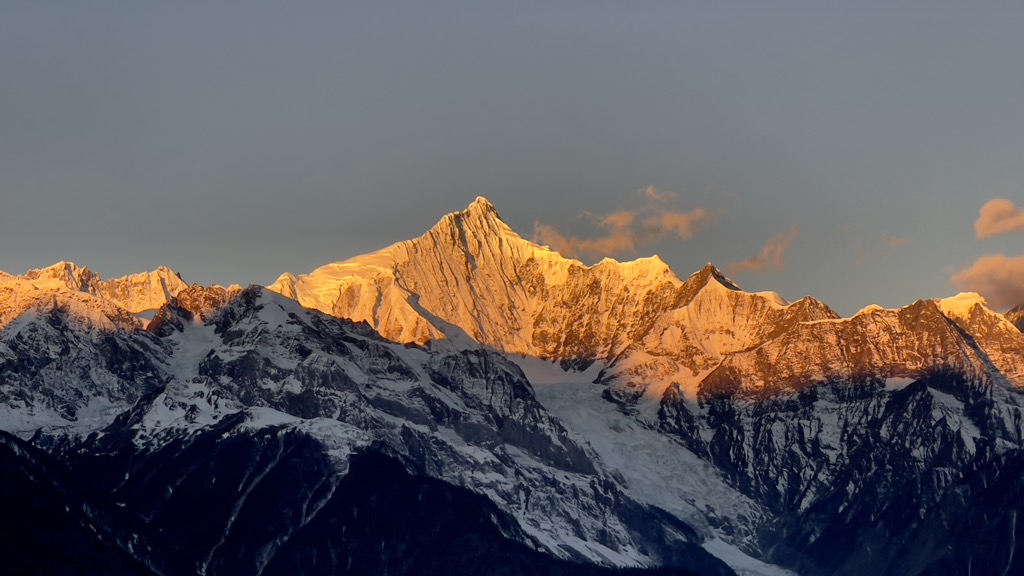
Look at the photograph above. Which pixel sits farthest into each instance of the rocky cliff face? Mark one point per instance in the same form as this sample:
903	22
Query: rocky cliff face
856	472
67	357
1016	317
850	431
72	350
248	409
610	415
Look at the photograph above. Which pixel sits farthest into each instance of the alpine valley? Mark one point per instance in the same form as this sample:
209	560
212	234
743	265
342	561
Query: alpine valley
468	402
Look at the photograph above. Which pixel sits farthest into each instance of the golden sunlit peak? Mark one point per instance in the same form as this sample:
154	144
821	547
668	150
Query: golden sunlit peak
711	271
961	304
481	204
480	209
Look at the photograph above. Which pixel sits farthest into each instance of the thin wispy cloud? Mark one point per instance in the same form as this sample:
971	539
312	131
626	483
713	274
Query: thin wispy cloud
771	258
999	216
1000	279
625	231
860	254
894	242
654	195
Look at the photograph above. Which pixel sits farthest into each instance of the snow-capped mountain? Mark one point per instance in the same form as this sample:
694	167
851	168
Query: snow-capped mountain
471	275
136	293
263	417
809	415
469	401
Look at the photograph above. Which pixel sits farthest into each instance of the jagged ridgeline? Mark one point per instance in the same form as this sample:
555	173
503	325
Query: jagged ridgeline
468	402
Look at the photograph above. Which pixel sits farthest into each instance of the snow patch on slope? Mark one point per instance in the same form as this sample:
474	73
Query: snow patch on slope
743	564
657	470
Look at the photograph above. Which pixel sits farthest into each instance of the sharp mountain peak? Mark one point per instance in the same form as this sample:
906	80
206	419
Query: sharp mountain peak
482	206
72	272
479	220
710	272
480	223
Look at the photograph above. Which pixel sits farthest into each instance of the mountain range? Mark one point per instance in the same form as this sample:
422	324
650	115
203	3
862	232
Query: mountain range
471	402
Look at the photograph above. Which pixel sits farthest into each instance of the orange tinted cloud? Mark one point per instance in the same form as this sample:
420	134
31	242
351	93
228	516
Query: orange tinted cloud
996	277
616	220
682	224
771	258
619	239
625	231
998	216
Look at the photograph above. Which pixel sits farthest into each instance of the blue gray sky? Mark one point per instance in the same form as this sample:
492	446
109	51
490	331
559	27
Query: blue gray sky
841	150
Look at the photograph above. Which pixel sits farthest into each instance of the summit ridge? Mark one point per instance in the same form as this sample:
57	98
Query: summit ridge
474	272
135	292
472	278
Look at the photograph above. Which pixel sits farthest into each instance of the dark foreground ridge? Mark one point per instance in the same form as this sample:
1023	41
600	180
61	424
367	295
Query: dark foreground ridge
379	519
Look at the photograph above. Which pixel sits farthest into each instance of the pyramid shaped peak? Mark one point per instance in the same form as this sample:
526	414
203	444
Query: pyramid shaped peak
480	218
481	204
481	210
710	272
708	277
